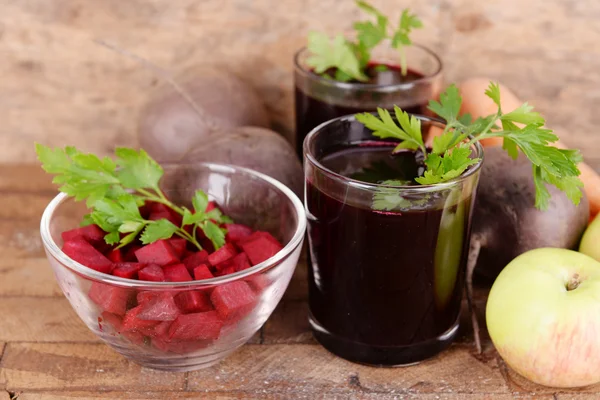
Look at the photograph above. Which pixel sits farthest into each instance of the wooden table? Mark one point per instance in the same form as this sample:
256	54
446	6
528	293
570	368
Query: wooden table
47	352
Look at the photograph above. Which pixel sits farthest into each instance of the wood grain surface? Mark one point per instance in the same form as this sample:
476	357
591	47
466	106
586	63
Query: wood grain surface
58	87
47	353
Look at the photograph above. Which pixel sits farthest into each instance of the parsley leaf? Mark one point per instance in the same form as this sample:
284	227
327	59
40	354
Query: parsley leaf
408	130
116	190
326	54
214	233
138	170
157	230
522	131
351	58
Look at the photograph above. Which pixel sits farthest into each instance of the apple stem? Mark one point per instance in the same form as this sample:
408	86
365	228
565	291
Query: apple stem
471	263
573	283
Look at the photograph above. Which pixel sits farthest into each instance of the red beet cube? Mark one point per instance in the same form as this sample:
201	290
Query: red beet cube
127	270
134	337
237	232
193	301
146	296
109	298
160	308
259	282
110	319
261	248
204	325
195	259
202	272
223	254
159	252
211	206
161	330
178	245
240	262
170	216
226	271
116	256
152	273
129	254
90	233
176	273
131	322
233	300
84	253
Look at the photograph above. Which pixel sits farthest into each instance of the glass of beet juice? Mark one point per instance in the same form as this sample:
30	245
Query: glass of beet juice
321	98
388	254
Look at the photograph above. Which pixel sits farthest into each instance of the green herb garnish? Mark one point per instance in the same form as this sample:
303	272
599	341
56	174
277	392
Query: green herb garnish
350	58
115	189
451	153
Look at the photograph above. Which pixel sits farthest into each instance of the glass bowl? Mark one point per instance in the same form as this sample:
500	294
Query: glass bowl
248	197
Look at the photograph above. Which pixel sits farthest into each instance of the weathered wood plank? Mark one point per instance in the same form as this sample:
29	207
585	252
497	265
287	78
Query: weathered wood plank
25	178
20	238
519	384
27	277
290	368
257	395
79	366
30	319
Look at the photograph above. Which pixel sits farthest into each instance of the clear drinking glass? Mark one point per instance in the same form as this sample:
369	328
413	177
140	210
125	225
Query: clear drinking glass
318	99
101	300
387	262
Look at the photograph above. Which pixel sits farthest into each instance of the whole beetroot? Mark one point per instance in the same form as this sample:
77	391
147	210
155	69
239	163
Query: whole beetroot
213	100
505	222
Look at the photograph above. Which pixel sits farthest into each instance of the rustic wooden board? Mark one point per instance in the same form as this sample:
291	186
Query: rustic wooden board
49	353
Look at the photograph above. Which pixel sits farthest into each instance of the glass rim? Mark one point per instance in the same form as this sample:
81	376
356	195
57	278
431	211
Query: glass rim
362	85
375	186
51	246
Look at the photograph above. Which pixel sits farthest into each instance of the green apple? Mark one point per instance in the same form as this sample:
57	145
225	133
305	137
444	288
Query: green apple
543	315
590	242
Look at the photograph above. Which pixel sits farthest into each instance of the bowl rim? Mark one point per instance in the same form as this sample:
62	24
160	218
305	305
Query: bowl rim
51	246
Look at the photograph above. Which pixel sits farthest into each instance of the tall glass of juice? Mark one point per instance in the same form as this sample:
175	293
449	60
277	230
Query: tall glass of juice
319	98
388	254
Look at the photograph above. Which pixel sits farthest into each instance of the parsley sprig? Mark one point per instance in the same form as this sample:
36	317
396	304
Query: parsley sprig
522	130
350	58
115	190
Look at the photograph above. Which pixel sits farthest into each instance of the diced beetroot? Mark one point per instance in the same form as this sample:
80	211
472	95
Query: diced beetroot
178	245
211	206
109	298
146	296
193	301
195	259
202	272
226	271
127	270
171	216
110	319
159	252
160	308
129	254
223	254
258	282
177	273
116	256
161	330
240	262
134	337
261	249
237	232
233	300
90	233
204	325
152	273
84	253
131	322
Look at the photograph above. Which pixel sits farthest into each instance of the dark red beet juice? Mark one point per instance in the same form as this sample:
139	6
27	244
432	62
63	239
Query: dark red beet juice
387	263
